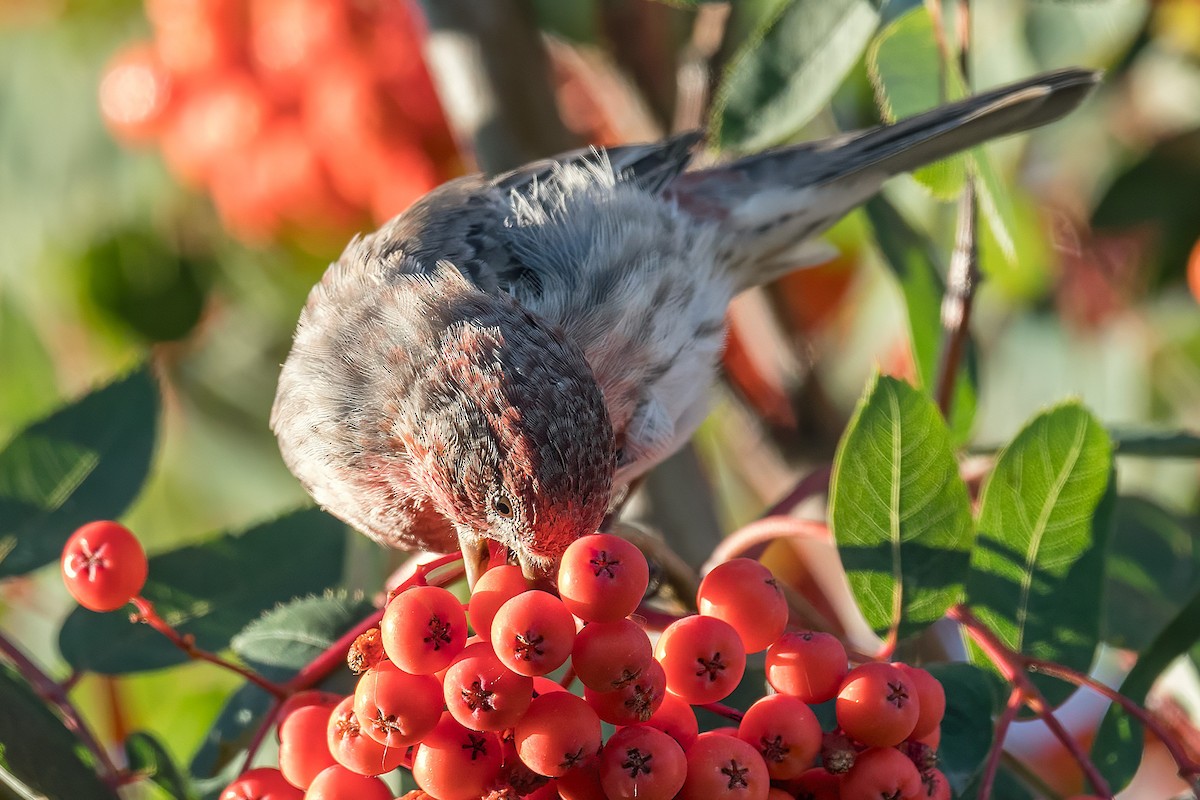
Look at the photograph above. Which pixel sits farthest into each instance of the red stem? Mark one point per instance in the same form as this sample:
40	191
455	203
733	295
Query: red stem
728	712
811	484
1189	769
147	614
568	678
1015	700
260	735
1013	665
55	694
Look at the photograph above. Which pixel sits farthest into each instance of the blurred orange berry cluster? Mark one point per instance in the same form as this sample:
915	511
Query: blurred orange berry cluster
294	115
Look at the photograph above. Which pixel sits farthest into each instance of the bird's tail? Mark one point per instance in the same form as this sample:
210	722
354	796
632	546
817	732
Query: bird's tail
778	198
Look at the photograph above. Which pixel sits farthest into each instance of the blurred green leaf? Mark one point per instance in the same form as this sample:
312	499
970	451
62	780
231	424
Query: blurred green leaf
1159	192
906	71
1155	443
789	69
147	757
86	461
899	510
1118	748
1153	564
1037	570
30	388
135	278
286	638
972	698
37	749
995	202
212	591
218	760
915	263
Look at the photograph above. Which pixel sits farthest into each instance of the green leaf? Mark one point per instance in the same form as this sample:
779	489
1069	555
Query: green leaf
86	461
147	757
972	698
212	591
995	201
1037	571
906	70
1118	748
1156	443
789	69
228	738
899	510
29	384
283	640
1153	565
915	263
38	750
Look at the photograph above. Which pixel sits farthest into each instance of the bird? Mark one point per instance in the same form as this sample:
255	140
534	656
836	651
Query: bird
500	361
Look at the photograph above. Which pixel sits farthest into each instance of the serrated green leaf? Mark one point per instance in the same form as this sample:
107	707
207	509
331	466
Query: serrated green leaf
899	510
914	262
906	71
972	698
1153	564
86	461
789	69
286	638
212	591
1037	571
37	749
148	758
29	385
1118	748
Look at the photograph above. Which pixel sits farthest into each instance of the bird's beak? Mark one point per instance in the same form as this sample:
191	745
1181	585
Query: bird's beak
530	570
475	558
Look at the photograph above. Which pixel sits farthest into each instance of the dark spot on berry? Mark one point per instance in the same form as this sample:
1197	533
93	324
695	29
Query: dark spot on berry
602	565
477	745
897	694
478	698
528	646
736	775
713	666
637	762
439	633
774	749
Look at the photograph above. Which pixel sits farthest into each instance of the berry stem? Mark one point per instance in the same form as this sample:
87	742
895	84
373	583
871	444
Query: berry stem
147	614
1189	769
260	735
56	694
720	709
1015	700
568	678
1013	666
814	483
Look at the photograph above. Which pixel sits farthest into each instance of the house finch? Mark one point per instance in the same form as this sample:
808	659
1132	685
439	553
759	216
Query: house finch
502	359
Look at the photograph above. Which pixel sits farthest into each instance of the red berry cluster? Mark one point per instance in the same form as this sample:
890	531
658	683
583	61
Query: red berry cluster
290	113
475	716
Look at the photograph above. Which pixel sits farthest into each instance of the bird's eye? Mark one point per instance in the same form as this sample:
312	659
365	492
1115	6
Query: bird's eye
620	456
503	506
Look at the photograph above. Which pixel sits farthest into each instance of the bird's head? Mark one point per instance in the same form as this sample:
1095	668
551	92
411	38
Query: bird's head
506	428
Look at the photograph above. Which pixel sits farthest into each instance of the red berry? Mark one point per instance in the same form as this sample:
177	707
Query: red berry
558	733
304	743
931	696
724	767
881	772
602	578
817	783
339	783
703	657
785	731
608	655
308	697
134	94
423	629
532	633
877	705
642	763
809	665
217	118
353	748
484	695
744	593
582	783
262	783
493	589
934	786
103	566
455	763
396	709
633	703
676	719
194	39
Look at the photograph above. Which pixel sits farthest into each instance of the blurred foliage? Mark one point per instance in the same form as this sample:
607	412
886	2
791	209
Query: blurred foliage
107	262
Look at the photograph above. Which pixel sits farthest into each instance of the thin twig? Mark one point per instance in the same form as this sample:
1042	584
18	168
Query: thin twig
814	483
54	693
1015	701
147	614
722	710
